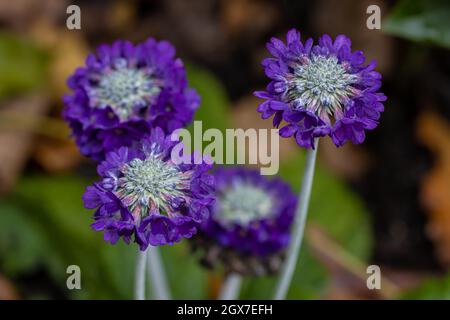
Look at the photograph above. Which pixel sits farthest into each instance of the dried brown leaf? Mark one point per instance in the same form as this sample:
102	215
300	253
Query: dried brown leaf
434	132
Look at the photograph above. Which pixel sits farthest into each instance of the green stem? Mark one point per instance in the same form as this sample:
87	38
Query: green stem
230	288
157	275
299	225
139	284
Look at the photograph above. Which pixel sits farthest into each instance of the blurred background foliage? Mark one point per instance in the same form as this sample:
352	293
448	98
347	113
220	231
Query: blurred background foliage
23	65
421	20
385	203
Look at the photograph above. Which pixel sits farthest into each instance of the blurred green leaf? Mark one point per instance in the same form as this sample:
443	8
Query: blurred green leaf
309	280
55	203
22	64
22	241
187	279
436	288
334	207
213	111
421	20
44	224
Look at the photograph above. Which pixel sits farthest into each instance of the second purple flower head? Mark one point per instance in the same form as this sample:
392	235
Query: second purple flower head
144	196
249	226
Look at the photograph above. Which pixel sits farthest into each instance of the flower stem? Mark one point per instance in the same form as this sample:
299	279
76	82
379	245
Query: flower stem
157	275
139	280
299	225
230	288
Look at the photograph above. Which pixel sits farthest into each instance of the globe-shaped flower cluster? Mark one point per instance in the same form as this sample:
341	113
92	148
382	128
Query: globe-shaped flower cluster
125	90
249	225
319	90
143	196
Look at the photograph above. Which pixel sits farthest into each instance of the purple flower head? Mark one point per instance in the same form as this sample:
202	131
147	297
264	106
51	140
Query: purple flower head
123	91
319	90
142	193
250	220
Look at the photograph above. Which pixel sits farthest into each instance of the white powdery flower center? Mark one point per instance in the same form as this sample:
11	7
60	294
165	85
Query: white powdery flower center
150	184
322	85
125	89
243	203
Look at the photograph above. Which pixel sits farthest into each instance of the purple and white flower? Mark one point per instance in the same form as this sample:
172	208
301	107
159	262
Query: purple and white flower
145	197
125	90
249	225
319	90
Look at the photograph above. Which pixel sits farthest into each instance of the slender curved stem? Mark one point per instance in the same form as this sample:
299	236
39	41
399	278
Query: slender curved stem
230	288
139	279
157	275
299	225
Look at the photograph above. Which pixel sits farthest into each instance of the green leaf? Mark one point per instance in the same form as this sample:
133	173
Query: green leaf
425	21
213	111
309	281
55	206
22	242
432	289
45	224
22	64
334	207
187	279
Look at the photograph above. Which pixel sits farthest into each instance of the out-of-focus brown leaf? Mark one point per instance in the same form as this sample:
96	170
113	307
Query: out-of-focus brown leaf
68	49
338	293
434	132
215	282
21	14
343	288
349	161
349	17
348	273
122	15
245	116
236	13
15	146
57	156
7	290
194	26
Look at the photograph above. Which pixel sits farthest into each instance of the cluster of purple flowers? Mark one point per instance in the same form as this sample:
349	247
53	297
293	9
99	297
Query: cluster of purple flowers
124	104
128	99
